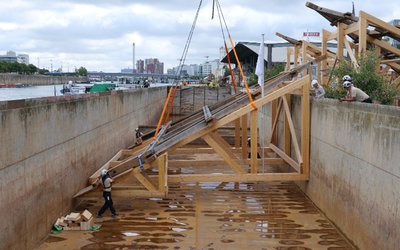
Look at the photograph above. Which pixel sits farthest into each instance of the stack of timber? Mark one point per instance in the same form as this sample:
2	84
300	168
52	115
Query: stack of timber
76	221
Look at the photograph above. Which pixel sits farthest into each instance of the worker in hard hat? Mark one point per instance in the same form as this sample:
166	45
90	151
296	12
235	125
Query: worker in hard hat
138	136
108	203
318	90
354	94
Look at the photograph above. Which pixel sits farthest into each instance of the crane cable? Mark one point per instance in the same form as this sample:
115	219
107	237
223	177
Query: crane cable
237	59
181	63
226	49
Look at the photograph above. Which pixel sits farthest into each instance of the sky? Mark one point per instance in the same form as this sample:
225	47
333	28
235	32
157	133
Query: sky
98	34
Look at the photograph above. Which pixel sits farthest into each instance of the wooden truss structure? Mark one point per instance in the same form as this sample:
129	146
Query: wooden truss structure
148	163
354	36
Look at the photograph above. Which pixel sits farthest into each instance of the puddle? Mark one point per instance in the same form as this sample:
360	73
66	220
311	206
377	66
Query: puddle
217	215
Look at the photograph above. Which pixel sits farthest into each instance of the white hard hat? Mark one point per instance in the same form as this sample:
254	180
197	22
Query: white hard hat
104	172
314	82
346	78
347	84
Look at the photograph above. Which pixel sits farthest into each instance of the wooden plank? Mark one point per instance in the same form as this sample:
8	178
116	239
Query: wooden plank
351	54
237	177
274	133
340	41
286	158
113	163
208	150
237	132
362	35
254	141
351	28
305	129
292	131
286	130
162	162
244	136
224	153
145	182
194	163
377	22
384	45
95	176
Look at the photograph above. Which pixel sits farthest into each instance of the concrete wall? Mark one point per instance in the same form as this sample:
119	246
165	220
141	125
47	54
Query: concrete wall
355	169
38	79
49	148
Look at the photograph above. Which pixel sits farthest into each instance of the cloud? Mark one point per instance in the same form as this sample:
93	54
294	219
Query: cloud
99	34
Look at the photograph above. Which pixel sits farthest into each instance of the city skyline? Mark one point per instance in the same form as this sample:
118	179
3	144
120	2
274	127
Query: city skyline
63	34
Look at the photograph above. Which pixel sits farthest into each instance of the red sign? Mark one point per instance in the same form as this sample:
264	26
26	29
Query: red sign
310	33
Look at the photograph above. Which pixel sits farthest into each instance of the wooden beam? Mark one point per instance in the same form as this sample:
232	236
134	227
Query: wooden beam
305	128
351	54
286	158
244	136
275	120
237	177
222	151
145	182
383	44
254	141
377	22
162	162
292	131
351	28
237	133
198	163
286	130
340	41
325	35
362	34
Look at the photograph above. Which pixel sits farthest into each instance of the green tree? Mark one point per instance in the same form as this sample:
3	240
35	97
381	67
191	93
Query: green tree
82	71
366	78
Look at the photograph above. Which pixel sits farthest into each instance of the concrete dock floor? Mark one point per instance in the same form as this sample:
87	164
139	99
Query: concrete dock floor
208	216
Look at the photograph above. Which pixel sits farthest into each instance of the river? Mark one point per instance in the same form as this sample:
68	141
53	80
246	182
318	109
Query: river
7	94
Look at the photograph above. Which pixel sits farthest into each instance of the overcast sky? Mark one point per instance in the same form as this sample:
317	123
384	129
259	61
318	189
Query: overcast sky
99	34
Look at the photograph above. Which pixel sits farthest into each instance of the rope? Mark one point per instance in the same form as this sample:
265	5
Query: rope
189	39
162	114
237	58
171	104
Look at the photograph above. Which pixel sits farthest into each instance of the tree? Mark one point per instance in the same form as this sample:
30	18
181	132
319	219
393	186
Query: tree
82	71
367	78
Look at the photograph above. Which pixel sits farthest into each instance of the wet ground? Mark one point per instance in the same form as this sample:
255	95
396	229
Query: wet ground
208	216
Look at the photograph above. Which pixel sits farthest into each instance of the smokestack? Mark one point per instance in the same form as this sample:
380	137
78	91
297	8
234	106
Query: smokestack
133	58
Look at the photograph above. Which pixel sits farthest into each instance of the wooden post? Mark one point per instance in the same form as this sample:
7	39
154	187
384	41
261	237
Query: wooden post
274	106
237	133
362	36
163	172
340	40
244	136
286	131
254	141
305	128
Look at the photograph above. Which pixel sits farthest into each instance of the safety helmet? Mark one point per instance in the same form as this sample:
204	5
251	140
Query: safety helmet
136	129
314	82
346	78
104	172
347	84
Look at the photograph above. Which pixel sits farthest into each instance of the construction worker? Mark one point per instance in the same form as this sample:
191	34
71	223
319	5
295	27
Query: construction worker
138	136
319	91
108	203
354	94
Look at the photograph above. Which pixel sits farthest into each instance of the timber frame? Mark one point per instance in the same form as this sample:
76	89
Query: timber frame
236	110
354	36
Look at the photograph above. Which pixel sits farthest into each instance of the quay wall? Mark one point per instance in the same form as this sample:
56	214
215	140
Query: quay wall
38	79
355	169
49	148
